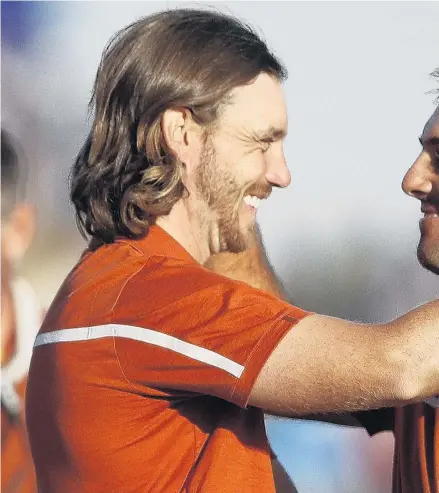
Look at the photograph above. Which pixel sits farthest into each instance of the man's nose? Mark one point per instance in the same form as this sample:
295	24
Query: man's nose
416	182
278	173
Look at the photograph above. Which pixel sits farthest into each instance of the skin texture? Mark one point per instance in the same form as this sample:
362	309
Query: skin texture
422	182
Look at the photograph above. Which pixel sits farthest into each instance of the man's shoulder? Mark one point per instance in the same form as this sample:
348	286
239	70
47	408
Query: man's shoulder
130	279
177	278
173	278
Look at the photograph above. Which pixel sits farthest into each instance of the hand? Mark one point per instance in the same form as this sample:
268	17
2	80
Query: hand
250	266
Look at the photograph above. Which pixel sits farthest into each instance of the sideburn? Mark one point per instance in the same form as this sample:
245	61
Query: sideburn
219	190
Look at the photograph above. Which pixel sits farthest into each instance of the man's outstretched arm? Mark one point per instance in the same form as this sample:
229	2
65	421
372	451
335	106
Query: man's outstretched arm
325	364
253	267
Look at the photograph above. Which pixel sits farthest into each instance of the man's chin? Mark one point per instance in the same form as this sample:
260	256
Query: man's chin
429	256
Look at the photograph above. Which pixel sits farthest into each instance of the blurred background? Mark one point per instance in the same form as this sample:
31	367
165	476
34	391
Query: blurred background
342	237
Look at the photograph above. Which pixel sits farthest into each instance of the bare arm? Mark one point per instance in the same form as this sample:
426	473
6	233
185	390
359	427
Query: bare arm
329	365
325	364
253	267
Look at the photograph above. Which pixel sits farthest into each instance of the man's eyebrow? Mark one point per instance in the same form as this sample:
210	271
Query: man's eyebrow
434	141
271	134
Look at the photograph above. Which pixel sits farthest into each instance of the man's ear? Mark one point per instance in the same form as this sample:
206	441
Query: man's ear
18	232
181	134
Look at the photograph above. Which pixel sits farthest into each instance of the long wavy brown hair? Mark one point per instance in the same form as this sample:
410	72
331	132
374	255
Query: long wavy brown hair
125	176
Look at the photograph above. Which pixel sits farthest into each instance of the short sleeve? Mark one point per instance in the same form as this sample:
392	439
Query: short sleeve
376	420
183	328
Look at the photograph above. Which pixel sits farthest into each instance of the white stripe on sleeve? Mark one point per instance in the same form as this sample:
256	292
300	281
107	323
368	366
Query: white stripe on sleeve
147	336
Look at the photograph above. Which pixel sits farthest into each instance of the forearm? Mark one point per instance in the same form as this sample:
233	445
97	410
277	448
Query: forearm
416	349
251	266
340	365
330	365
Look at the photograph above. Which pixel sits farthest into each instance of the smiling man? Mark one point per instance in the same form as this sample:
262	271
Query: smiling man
416	426
151	372
416	462
422	182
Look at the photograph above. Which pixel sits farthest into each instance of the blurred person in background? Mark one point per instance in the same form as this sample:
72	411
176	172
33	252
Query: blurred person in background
148	359
20	320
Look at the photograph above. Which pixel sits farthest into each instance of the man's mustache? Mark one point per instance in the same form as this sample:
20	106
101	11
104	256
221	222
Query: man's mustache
262	191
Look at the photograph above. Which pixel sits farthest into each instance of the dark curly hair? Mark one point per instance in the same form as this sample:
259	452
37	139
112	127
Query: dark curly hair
125	176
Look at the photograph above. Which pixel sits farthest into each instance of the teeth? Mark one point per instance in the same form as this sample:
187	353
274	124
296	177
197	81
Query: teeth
252	201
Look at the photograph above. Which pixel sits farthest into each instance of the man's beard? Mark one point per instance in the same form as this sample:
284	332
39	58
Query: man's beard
219	190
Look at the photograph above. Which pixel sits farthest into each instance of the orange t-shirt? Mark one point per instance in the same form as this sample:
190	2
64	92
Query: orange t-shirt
141	374
416	430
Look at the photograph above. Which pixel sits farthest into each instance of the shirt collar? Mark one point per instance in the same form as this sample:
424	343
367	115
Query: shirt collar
160	243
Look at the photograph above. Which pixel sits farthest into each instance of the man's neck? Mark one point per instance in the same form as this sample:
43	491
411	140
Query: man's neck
185	226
